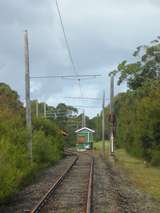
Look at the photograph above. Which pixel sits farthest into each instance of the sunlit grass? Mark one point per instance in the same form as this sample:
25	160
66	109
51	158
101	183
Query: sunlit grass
145	178
104	211
98	145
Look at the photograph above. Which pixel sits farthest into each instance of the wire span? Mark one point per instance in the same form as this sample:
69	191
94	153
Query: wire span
68	47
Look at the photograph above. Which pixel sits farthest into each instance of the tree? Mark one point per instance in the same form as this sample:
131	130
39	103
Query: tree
146	67
138	110
64	114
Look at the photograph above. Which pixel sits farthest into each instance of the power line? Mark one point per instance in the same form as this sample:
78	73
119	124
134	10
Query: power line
66	40
96	107
86	98
85	78
68	47
70	77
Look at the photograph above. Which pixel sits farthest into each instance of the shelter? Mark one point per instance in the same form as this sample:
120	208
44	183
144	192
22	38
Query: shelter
84	138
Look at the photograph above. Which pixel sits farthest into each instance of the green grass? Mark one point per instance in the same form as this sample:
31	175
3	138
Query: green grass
145	178
104	211
98	145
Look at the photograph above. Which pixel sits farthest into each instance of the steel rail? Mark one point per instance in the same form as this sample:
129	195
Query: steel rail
46	197
90	188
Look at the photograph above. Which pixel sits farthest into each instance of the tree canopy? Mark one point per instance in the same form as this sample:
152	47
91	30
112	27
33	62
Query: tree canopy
138	109
146	66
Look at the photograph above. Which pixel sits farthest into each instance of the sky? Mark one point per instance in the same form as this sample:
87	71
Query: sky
101	34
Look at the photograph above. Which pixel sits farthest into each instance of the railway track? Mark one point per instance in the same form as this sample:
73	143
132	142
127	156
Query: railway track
72	192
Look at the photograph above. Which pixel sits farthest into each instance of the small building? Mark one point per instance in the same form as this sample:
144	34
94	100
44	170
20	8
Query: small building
84	139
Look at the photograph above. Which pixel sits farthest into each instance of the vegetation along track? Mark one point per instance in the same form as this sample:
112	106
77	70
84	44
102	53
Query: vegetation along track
72	191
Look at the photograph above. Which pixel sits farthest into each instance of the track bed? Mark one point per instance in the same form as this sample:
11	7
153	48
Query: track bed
71	195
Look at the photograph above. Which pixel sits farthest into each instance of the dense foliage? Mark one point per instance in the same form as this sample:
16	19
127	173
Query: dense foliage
138	121
138	110
15	168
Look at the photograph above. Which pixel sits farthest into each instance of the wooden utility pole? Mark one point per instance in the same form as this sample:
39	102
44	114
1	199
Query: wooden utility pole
83	119
103	124
97	126
37	109
112	115
45	110
27	94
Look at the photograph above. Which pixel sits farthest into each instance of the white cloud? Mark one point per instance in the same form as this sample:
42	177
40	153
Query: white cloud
101	34
35	87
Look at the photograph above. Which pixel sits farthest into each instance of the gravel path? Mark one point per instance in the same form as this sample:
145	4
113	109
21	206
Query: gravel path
113	193
27	199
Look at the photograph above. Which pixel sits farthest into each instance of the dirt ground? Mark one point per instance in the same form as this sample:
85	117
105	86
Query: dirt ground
114	193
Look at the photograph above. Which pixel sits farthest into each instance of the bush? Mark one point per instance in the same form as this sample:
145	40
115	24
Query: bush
15	168
47	141
45	125
45	149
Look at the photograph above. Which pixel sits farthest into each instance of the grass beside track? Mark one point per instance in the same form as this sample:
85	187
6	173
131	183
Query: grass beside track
144	177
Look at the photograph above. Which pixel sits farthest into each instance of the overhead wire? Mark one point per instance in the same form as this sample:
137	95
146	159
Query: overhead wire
68	46
69	77
86	98
94	107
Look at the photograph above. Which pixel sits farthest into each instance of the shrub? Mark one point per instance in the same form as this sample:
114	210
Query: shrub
45	149
14	166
